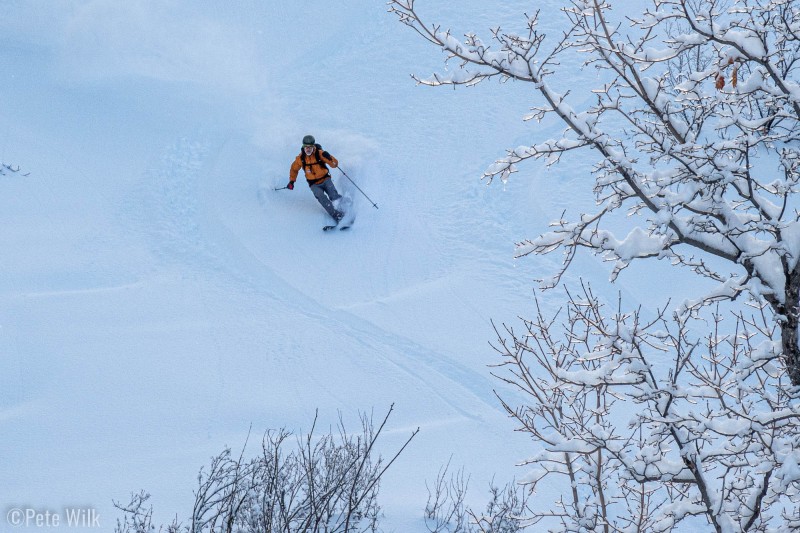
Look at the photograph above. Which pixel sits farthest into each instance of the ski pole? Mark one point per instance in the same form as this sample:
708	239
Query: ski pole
359	188
280	188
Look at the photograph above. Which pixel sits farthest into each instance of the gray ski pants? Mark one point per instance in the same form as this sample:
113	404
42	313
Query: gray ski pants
325	193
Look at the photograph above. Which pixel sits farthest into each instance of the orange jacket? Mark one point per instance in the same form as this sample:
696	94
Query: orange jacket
315	170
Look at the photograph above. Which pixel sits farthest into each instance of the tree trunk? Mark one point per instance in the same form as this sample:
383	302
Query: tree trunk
789	337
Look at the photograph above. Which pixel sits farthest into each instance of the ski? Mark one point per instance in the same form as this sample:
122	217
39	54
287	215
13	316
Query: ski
342	226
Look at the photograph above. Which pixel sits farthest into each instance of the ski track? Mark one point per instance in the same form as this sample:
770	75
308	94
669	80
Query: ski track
188	232
153	313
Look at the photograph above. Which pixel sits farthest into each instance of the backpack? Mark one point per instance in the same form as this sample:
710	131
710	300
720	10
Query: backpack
320	154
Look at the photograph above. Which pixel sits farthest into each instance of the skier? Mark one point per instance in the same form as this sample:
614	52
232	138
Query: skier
315	161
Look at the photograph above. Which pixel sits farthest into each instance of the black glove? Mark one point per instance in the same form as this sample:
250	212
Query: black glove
290	186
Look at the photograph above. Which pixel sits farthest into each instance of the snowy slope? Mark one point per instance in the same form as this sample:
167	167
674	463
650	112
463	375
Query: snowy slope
158	297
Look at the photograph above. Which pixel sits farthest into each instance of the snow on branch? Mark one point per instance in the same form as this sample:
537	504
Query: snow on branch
691	111
644	425
5	169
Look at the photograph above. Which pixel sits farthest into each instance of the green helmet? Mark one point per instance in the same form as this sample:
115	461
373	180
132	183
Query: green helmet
309	140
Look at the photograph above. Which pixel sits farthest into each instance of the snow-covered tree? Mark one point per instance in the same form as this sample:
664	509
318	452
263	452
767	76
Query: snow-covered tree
448	512
647	427
693	121
327	482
